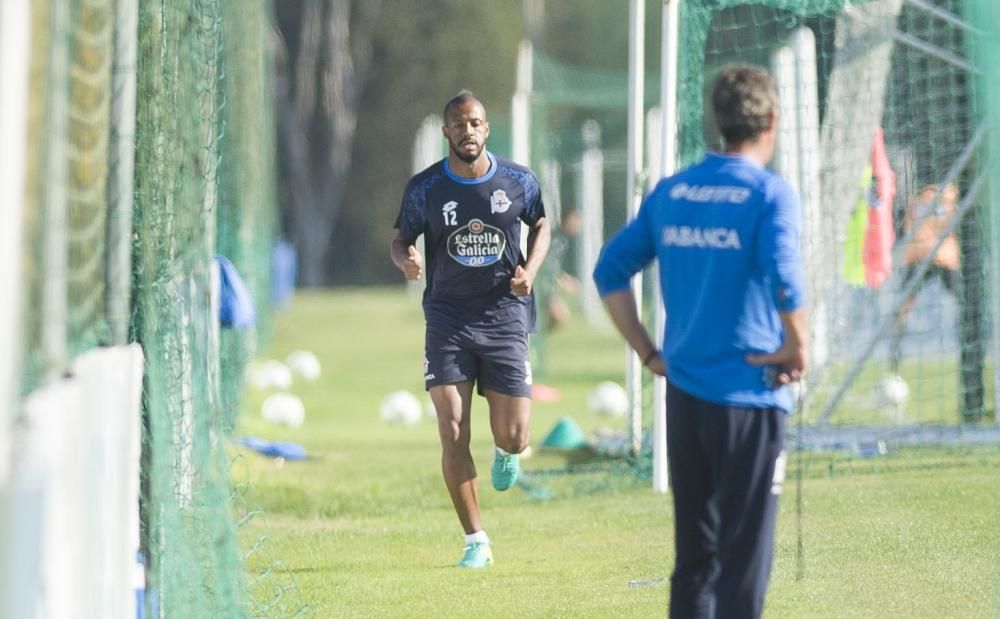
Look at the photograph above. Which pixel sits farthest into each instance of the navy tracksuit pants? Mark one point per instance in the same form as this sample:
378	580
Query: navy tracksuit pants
723	463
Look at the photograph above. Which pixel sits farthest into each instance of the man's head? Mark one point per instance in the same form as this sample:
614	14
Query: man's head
465	126
745	106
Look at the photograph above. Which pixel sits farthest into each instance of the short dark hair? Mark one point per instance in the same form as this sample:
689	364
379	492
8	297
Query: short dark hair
744	101
463	96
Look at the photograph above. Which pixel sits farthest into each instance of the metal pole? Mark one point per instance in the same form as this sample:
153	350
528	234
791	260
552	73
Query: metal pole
944	15
15	62
633	184
986	47
520	112
121	167
590	197
54	203
669	31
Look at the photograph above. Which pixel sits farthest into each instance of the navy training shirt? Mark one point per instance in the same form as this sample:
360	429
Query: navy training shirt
726	234
472	235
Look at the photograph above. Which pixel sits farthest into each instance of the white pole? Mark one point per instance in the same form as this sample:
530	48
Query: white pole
654	146
590	197
121	169
786	160
520	117
54	308
520	110
633	184
428	148
668	165
803	44
549	175
15	60
798	161
668	85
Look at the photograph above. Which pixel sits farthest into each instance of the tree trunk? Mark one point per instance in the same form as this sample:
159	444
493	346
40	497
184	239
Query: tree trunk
321	65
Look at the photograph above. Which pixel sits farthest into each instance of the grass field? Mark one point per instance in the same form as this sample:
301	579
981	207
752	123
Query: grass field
364	528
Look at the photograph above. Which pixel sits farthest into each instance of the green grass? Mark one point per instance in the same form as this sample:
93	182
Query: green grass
365	528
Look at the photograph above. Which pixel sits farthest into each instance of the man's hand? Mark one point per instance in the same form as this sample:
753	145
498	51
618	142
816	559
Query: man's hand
413	264
521	283
657	366
790	359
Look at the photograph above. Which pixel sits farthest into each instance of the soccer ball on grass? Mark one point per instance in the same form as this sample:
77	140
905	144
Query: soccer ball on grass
608	399
284	409
401	408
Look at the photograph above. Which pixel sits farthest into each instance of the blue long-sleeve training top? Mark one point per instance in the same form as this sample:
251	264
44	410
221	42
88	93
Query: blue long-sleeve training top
726	234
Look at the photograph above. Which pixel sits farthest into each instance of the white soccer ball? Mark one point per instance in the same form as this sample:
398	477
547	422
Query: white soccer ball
271	374
608	399
401	408
304	364
894	390
284	409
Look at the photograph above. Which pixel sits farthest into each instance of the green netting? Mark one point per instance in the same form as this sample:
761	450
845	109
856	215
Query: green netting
246	229
883	387
986	49
202	69
70	124
560	84
204	186
203	183
43	82
87	151
188	531
246	219
898	66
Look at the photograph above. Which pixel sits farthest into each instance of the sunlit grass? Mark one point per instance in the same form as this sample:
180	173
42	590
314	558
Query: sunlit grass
366	529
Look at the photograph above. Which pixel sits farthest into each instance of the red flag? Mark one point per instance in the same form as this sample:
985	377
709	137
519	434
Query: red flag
880	234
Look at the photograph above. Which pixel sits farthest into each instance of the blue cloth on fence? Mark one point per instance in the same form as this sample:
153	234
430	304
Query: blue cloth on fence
236	307
283	268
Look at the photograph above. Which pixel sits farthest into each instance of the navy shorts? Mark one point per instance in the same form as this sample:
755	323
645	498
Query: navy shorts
494	359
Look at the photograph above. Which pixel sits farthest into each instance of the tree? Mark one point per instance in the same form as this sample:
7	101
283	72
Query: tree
423	53
355	80
322	56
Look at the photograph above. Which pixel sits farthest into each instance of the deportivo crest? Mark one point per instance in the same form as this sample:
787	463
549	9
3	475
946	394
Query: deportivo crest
499	202
476	244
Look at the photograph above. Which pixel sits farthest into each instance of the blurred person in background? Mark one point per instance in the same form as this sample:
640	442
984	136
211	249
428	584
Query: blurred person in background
926	221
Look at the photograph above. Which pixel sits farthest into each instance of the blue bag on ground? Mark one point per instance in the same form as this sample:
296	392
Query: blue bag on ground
274	449
236	308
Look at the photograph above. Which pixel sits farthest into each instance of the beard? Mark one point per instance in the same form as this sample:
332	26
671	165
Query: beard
466	156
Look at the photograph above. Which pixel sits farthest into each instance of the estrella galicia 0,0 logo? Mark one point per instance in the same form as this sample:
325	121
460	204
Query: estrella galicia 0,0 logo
476	244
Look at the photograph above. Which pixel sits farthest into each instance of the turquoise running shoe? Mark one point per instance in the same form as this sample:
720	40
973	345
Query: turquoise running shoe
505	470
477	555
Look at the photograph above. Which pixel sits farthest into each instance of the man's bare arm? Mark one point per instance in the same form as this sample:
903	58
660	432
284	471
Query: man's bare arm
624	314
406	257
539	239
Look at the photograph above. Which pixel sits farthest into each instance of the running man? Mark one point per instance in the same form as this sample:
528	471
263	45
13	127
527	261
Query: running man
726	234
478	302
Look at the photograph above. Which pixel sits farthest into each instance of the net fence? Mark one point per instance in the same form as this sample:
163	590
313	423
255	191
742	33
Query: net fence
905	344
885	134
200	183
